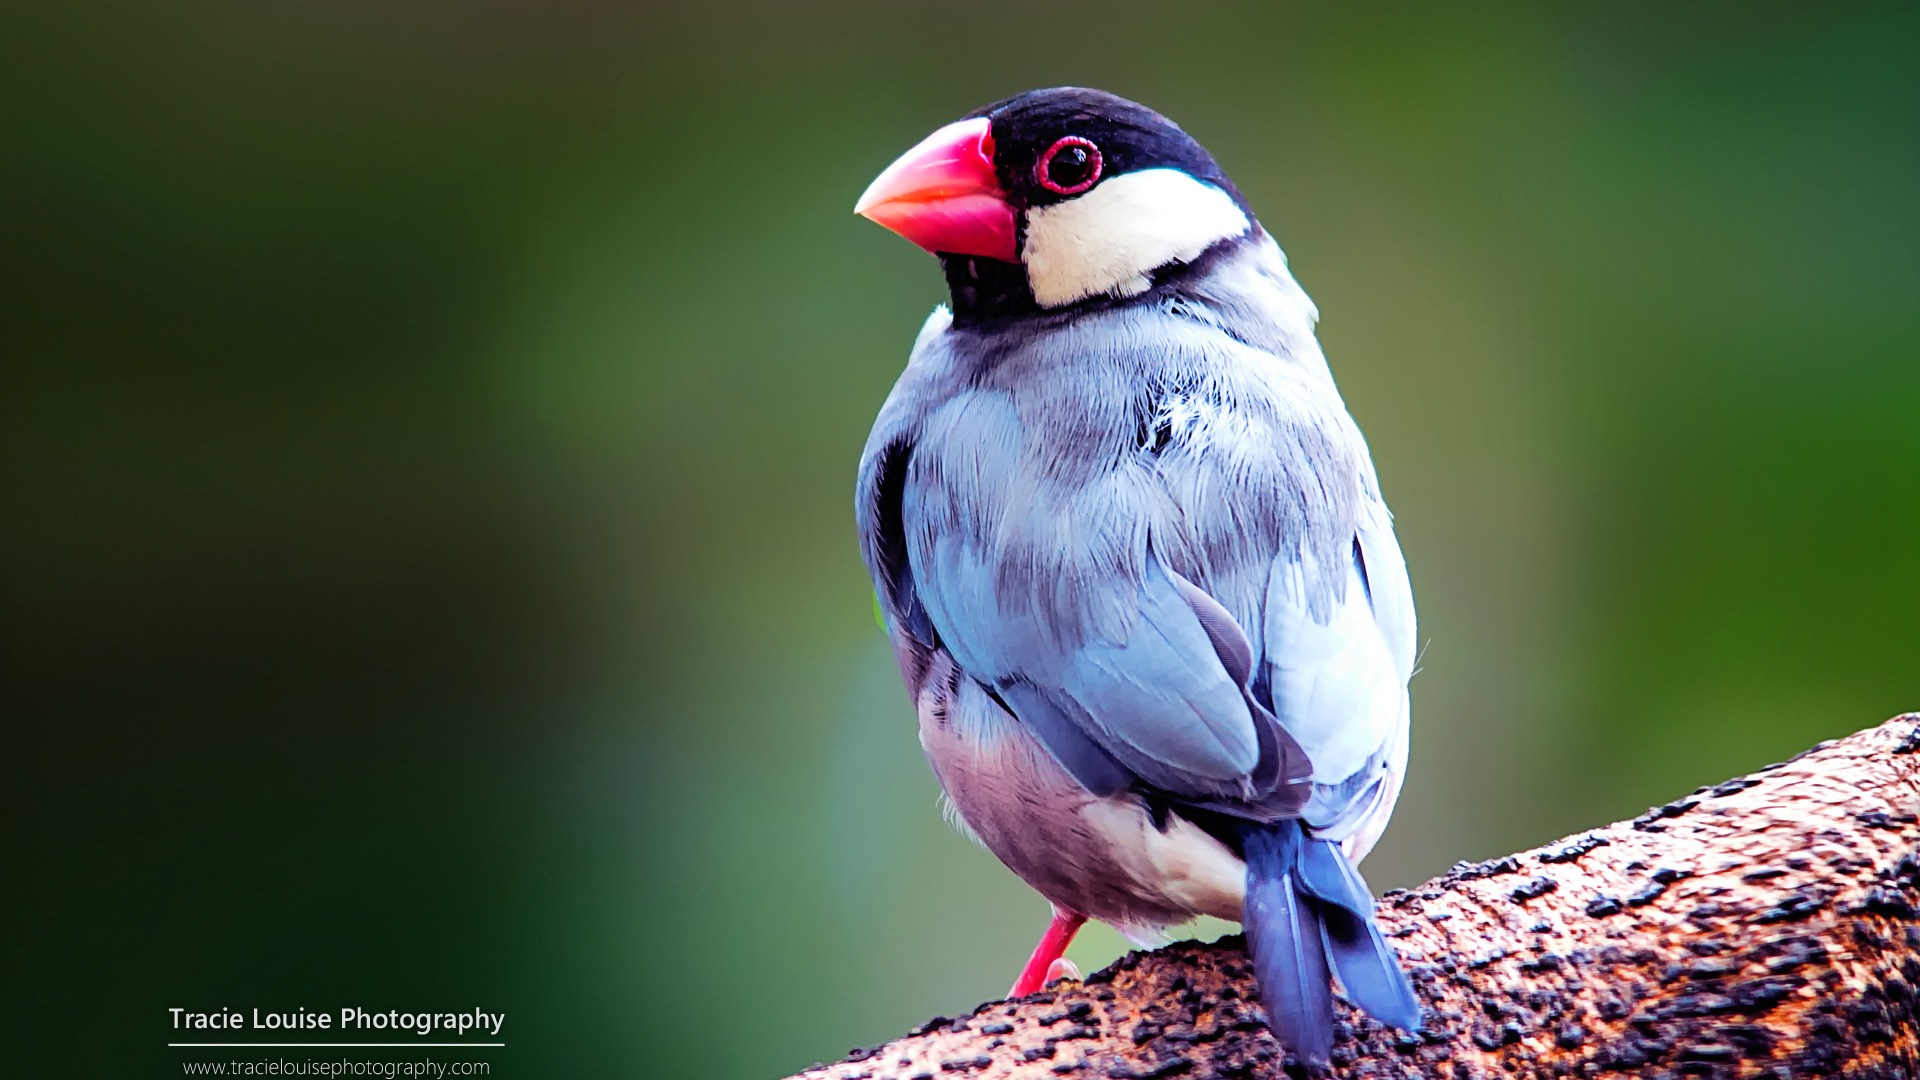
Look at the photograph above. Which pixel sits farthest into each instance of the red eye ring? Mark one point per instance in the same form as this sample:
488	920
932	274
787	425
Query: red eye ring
1044	166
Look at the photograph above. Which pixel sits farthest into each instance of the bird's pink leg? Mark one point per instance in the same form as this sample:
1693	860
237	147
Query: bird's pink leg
1053	945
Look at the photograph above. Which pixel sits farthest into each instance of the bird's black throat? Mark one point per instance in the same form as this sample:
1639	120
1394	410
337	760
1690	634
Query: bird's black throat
987	290
983	288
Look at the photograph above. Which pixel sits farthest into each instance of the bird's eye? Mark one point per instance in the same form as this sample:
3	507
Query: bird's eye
1069	167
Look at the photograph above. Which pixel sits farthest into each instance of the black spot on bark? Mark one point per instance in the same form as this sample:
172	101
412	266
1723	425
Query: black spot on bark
1534	889
934	1024
1910	744
1466	871
1759	995
1573	851
1646	822
1792	908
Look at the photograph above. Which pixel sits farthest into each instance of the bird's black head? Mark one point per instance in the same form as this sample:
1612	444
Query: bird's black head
1053	145
1056	196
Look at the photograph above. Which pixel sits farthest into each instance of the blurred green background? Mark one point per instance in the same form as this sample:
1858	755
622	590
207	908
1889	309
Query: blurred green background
429	438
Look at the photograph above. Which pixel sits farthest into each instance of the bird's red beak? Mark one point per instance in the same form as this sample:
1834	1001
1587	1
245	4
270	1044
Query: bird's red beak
943	195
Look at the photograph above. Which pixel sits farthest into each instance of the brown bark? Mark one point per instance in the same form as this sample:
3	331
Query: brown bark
1765	927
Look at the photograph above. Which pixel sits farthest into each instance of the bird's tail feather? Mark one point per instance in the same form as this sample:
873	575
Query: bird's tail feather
1309	915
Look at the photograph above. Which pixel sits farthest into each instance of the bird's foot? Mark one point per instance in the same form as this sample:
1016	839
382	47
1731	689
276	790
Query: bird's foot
1049	955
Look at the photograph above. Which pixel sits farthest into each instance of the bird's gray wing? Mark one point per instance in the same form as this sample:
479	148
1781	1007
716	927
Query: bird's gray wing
1054	596
1337	672
1218	618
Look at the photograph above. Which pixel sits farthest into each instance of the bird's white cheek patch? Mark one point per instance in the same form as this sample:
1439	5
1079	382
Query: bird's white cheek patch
1109	240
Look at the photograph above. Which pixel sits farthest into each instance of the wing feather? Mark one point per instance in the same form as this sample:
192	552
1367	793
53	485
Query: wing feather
1221	616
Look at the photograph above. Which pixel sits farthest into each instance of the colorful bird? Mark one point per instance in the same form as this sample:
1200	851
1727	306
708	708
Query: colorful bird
1132	555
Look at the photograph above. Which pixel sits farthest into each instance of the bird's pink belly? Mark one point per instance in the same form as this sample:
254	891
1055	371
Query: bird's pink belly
1100	857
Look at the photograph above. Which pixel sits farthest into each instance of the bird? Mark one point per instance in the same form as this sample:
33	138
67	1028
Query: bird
1131	553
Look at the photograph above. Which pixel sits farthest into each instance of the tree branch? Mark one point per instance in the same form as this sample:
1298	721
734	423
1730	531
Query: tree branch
1765	927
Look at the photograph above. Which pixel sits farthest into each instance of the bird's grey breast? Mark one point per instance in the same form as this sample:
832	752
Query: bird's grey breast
1057	456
